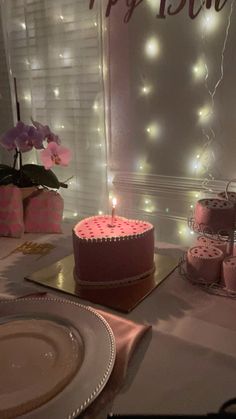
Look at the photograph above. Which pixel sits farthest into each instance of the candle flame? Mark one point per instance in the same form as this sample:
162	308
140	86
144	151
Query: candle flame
114	202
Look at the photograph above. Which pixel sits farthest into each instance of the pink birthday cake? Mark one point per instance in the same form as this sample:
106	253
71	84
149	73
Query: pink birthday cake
229	273
204	263
214	215
111	253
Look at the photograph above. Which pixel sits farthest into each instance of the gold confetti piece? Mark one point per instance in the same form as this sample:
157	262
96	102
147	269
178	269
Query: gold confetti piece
32	248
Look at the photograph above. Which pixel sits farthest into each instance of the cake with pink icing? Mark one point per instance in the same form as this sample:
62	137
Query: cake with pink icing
204	263
219	244
229	273
214	215
107	253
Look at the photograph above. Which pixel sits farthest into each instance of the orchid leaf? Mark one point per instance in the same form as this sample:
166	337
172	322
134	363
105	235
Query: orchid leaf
6	174
40	176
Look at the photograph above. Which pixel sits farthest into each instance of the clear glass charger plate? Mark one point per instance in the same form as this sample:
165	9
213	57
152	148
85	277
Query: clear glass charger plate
94	340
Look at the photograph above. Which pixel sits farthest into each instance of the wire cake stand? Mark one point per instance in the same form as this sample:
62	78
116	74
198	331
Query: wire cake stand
227	236
214	288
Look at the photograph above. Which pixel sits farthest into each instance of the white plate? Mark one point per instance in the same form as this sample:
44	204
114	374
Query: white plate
92	333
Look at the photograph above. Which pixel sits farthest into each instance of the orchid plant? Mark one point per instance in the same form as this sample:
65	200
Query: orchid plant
23	138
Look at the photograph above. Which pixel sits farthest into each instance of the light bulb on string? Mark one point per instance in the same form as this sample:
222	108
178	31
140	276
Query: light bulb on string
153	131
27	97
205	114
199	70
210	21
152	48
56	92
145	90
142	165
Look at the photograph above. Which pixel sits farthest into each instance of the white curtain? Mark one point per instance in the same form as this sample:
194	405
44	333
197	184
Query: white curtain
6	119
54	50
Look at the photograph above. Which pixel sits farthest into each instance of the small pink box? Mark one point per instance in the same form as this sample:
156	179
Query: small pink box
43	211
11	211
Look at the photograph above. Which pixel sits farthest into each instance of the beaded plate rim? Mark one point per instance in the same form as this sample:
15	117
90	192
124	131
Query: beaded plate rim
103	380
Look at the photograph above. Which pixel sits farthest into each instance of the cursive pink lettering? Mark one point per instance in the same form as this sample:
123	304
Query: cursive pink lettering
91	4
208	4
161	14
180	7
109	6
194	8
131	4
191	13
219	7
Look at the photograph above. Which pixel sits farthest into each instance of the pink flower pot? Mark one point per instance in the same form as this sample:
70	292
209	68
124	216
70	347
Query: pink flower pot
11	211
43	211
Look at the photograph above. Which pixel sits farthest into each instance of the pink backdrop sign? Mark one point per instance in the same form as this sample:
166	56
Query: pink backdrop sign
164	9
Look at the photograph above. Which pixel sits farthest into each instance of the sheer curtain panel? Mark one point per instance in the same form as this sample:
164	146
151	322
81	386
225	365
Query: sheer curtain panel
54	50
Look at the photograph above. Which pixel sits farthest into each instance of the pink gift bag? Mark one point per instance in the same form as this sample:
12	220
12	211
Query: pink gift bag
43	212
11	211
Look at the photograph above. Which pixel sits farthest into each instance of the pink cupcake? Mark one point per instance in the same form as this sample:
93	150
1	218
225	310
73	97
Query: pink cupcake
229	273
219	244
204	263
214	215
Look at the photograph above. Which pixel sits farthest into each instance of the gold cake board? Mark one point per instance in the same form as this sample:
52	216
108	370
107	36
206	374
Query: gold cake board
59	276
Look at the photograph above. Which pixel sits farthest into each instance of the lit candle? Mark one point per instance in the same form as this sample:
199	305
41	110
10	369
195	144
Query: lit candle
114	202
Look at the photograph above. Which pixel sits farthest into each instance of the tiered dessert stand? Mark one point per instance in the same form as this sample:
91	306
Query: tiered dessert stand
228	236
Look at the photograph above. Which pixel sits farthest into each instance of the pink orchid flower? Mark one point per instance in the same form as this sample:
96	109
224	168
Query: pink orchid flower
55	154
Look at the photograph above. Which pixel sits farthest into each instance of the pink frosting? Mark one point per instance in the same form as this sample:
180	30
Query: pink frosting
101	227
229	273
204	263
206	241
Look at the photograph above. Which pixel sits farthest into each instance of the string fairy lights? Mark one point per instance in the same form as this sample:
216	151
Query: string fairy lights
206	157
